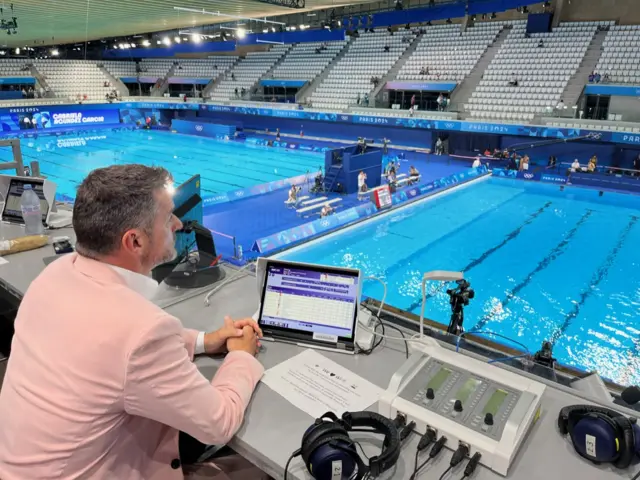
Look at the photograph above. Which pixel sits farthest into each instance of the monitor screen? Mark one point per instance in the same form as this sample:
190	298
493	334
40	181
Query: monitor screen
187	206
321	302
12	211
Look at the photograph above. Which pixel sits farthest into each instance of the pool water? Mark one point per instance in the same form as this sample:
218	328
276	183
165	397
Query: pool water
545	264
223	165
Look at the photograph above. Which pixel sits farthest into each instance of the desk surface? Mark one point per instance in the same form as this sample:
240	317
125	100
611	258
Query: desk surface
273	427
24	267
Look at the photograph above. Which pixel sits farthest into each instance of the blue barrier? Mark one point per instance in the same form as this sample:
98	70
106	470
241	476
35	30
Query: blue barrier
532	131
340	219
422	86
283	83
204	129
613	90
530	176
606	182
17	81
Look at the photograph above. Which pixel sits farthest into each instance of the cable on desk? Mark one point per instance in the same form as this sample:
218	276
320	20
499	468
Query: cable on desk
406	430
384	335
636	476
473	464
225	282
435	450
293	455
426	440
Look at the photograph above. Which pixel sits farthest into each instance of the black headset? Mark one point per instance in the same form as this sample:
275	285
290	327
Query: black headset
328	451
600	434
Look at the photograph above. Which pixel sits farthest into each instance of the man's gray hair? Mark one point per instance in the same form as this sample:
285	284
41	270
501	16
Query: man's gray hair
111	201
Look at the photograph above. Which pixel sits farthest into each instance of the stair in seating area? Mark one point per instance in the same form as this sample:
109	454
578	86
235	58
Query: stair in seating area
391	74
116	83
214	83
164	86
41	80
463	91
574	88
304	94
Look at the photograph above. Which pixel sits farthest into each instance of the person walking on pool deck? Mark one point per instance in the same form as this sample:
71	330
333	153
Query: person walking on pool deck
101	383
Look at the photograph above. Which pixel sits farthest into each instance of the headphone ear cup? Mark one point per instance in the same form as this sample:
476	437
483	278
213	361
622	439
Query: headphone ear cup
627	444
322	453
318	432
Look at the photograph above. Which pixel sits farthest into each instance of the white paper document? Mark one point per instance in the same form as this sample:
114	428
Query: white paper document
317	385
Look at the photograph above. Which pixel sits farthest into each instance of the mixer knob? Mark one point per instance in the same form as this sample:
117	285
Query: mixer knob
430	394
457	406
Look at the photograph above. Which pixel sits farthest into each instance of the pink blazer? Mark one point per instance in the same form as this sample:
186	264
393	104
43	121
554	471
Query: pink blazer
100	381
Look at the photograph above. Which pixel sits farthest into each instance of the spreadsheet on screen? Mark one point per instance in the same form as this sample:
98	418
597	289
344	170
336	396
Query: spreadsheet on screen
308	300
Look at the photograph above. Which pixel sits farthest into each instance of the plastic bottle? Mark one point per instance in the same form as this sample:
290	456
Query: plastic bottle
31	212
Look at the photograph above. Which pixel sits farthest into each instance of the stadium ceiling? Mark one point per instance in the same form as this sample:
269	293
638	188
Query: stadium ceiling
58	22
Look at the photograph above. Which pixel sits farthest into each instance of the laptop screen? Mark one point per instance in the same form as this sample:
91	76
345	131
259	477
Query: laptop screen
12	211
310	302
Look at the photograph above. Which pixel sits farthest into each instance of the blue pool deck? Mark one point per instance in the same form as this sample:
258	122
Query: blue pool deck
257	217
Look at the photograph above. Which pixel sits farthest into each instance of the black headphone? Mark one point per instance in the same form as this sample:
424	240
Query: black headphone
328	451
600	434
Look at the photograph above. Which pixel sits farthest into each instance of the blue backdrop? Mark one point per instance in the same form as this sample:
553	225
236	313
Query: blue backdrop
619	90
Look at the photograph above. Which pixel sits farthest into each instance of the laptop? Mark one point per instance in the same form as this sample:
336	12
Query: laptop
309	305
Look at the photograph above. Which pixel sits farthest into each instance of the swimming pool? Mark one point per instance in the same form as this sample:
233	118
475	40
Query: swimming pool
223	166
545	265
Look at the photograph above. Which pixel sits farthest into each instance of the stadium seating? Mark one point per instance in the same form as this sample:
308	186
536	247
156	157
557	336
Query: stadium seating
120	69
365	58
13	67
542	73
447	53
621	56
211	67
73	78
304	61
156	67
247	72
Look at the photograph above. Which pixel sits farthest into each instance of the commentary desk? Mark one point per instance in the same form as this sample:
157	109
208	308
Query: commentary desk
273	427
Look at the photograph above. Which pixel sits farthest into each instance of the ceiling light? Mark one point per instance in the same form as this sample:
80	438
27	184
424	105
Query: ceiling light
273	29
146	43
241	33
292	28
177	39
122	45
196	38
133	45
55	52
266	30
158	42
17	51
115	47
166	41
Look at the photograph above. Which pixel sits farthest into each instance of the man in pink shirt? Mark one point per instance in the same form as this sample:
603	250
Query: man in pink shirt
100	382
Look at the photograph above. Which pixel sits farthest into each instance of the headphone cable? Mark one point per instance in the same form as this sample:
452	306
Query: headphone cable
435	450
293	455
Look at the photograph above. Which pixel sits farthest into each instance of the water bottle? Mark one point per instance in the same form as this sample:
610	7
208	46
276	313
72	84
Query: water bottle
31	212
239	252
